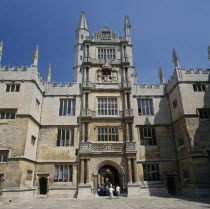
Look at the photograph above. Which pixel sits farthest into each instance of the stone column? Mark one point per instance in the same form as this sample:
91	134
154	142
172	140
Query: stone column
82	163
127	132
136	179
84	69
88	134
88	100
133	129
88	171
83	98
126	104
83	132
130	101
129	171
87	74
124	76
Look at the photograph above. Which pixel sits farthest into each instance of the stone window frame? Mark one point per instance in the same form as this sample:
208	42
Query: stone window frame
114	111
185	173
199	87
148	140
33	139
38	103
105	133
29	175
63	173
12	87
104	53
174	103
180	141
152	174
68	139
203	113
4	156
145	106
8	114
69	109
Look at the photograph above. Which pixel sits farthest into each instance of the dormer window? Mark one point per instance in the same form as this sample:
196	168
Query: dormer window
104	54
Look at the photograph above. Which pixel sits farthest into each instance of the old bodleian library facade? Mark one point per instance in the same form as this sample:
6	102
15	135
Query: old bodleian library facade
66	139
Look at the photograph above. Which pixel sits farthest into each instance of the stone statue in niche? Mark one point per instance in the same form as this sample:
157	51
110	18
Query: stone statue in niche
106	76
99	76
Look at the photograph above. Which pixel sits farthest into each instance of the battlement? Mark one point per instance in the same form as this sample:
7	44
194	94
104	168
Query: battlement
148	86
60	84
21	73
149	89
188	75
196	71
14	68
60	88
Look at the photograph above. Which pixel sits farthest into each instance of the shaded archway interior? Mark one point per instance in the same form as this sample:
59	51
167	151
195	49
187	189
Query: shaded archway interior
108	175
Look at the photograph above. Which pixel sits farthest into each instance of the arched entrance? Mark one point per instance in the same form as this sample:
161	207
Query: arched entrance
43	185
108	173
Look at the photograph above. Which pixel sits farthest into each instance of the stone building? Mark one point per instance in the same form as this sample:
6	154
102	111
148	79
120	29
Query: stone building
66	139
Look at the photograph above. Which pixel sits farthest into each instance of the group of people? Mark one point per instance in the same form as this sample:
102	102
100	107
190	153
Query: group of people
108	190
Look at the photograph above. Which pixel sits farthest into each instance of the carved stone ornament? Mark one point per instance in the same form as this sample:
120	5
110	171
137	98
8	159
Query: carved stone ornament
106	35
106	76
107	65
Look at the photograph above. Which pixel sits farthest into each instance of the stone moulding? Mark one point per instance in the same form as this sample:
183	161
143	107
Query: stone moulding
88	147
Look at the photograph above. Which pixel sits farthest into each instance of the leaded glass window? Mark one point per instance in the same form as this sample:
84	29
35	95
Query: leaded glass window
107	106
104	54
67	107
148	136
65	137
63	173
108	134
151	172
145	107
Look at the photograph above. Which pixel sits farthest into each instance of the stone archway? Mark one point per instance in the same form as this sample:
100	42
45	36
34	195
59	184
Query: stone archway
109	172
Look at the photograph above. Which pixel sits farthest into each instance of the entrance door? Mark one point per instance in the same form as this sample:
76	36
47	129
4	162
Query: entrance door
171	185
108	175
43	185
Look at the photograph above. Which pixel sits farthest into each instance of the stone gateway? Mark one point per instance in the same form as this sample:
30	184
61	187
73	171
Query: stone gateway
71	140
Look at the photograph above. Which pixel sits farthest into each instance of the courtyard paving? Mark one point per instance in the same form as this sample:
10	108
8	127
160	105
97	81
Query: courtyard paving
106	203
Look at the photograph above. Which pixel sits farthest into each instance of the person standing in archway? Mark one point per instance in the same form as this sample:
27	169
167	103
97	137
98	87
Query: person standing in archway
111	192
107	189
117	191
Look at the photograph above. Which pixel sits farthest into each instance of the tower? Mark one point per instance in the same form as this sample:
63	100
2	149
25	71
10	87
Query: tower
81	51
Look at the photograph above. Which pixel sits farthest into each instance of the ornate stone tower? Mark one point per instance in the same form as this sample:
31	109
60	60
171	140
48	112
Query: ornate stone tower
107	150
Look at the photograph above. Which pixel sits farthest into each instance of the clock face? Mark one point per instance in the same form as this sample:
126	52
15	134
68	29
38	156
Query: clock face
105	35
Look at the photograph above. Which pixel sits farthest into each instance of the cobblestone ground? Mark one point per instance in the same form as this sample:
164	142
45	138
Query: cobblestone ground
105	203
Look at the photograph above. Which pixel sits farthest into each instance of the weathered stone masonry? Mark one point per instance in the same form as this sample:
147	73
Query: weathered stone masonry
65	139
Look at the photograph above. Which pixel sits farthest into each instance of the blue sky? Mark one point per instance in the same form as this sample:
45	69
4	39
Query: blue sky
157	27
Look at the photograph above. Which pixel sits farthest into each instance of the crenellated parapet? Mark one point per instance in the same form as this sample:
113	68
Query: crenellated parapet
22	73
181	75
149	89
60	88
